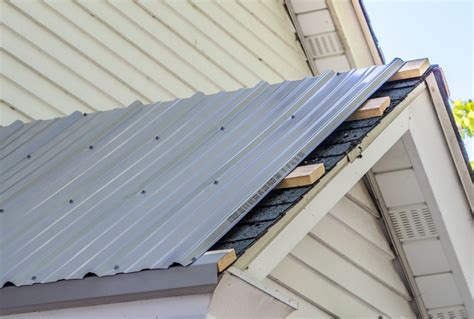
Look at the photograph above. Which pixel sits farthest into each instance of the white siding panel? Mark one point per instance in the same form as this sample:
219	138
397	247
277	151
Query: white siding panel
360	194
360	252
306	309
361	222
334	299
97	55
345	266
344	274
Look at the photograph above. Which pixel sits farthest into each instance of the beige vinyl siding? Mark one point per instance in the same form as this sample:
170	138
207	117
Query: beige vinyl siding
344	267
62	56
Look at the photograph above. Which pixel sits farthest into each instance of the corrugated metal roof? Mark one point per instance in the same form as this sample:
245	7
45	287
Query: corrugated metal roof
148	186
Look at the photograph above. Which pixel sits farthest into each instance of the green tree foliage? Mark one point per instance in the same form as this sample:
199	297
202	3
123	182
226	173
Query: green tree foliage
464	115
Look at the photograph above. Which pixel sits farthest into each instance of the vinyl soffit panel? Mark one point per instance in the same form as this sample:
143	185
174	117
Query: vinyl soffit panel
148	186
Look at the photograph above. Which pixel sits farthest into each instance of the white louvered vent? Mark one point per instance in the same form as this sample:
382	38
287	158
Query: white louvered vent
448	313
413	222
327	44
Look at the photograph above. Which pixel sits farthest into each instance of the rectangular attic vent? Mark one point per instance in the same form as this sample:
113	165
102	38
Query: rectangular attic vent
413	222
326	44
458	312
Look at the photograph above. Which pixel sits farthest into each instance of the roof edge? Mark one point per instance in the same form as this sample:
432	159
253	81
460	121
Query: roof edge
440	98
261	245
200	277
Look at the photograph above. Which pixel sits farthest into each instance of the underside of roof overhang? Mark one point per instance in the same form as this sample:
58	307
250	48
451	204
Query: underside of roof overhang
335	35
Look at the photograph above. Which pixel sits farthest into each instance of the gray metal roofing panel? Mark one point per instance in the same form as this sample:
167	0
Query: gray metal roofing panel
147	186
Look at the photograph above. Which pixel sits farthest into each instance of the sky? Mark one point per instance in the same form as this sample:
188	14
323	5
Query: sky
443	31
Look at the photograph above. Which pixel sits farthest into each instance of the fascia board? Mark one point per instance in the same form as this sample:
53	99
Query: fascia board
200	277
451	140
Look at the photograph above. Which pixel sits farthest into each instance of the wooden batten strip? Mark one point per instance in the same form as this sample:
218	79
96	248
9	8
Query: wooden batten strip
227	260
411	69
371	108
303	176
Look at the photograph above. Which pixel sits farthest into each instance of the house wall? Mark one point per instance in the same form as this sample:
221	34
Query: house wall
192	306
344	267
63	56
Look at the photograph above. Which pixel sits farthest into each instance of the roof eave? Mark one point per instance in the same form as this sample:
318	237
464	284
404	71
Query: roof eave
199	278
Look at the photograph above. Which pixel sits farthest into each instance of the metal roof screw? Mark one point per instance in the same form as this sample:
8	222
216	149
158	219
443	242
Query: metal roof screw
71	201
28	156
2	210
85	114
216	182
143	191
91	147
33	278
293	116
116	267
222	128
157	137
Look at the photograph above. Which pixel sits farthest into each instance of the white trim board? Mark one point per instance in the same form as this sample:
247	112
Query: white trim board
412	118
392	129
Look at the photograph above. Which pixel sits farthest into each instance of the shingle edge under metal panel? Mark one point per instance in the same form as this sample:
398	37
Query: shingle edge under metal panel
148	186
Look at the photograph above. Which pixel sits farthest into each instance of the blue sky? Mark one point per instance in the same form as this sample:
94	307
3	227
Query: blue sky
443	31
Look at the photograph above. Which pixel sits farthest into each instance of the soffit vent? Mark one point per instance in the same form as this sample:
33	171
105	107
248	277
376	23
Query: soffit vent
413	222
448	313
326	44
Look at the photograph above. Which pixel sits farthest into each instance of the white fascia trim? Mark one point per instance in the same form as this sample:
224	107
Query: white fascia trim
330	194
444	195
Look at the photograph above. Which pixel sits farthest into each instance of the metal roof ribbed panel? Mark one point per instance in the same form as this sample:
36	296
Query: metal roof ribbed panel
151	185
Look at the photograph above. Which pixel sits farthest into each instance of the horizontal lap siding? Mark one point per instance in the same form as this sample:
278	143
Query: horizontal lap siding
62	56
345	266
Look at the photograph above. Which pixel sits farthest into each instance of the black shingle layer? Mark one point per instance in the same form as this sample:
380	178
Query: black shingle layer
347	136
